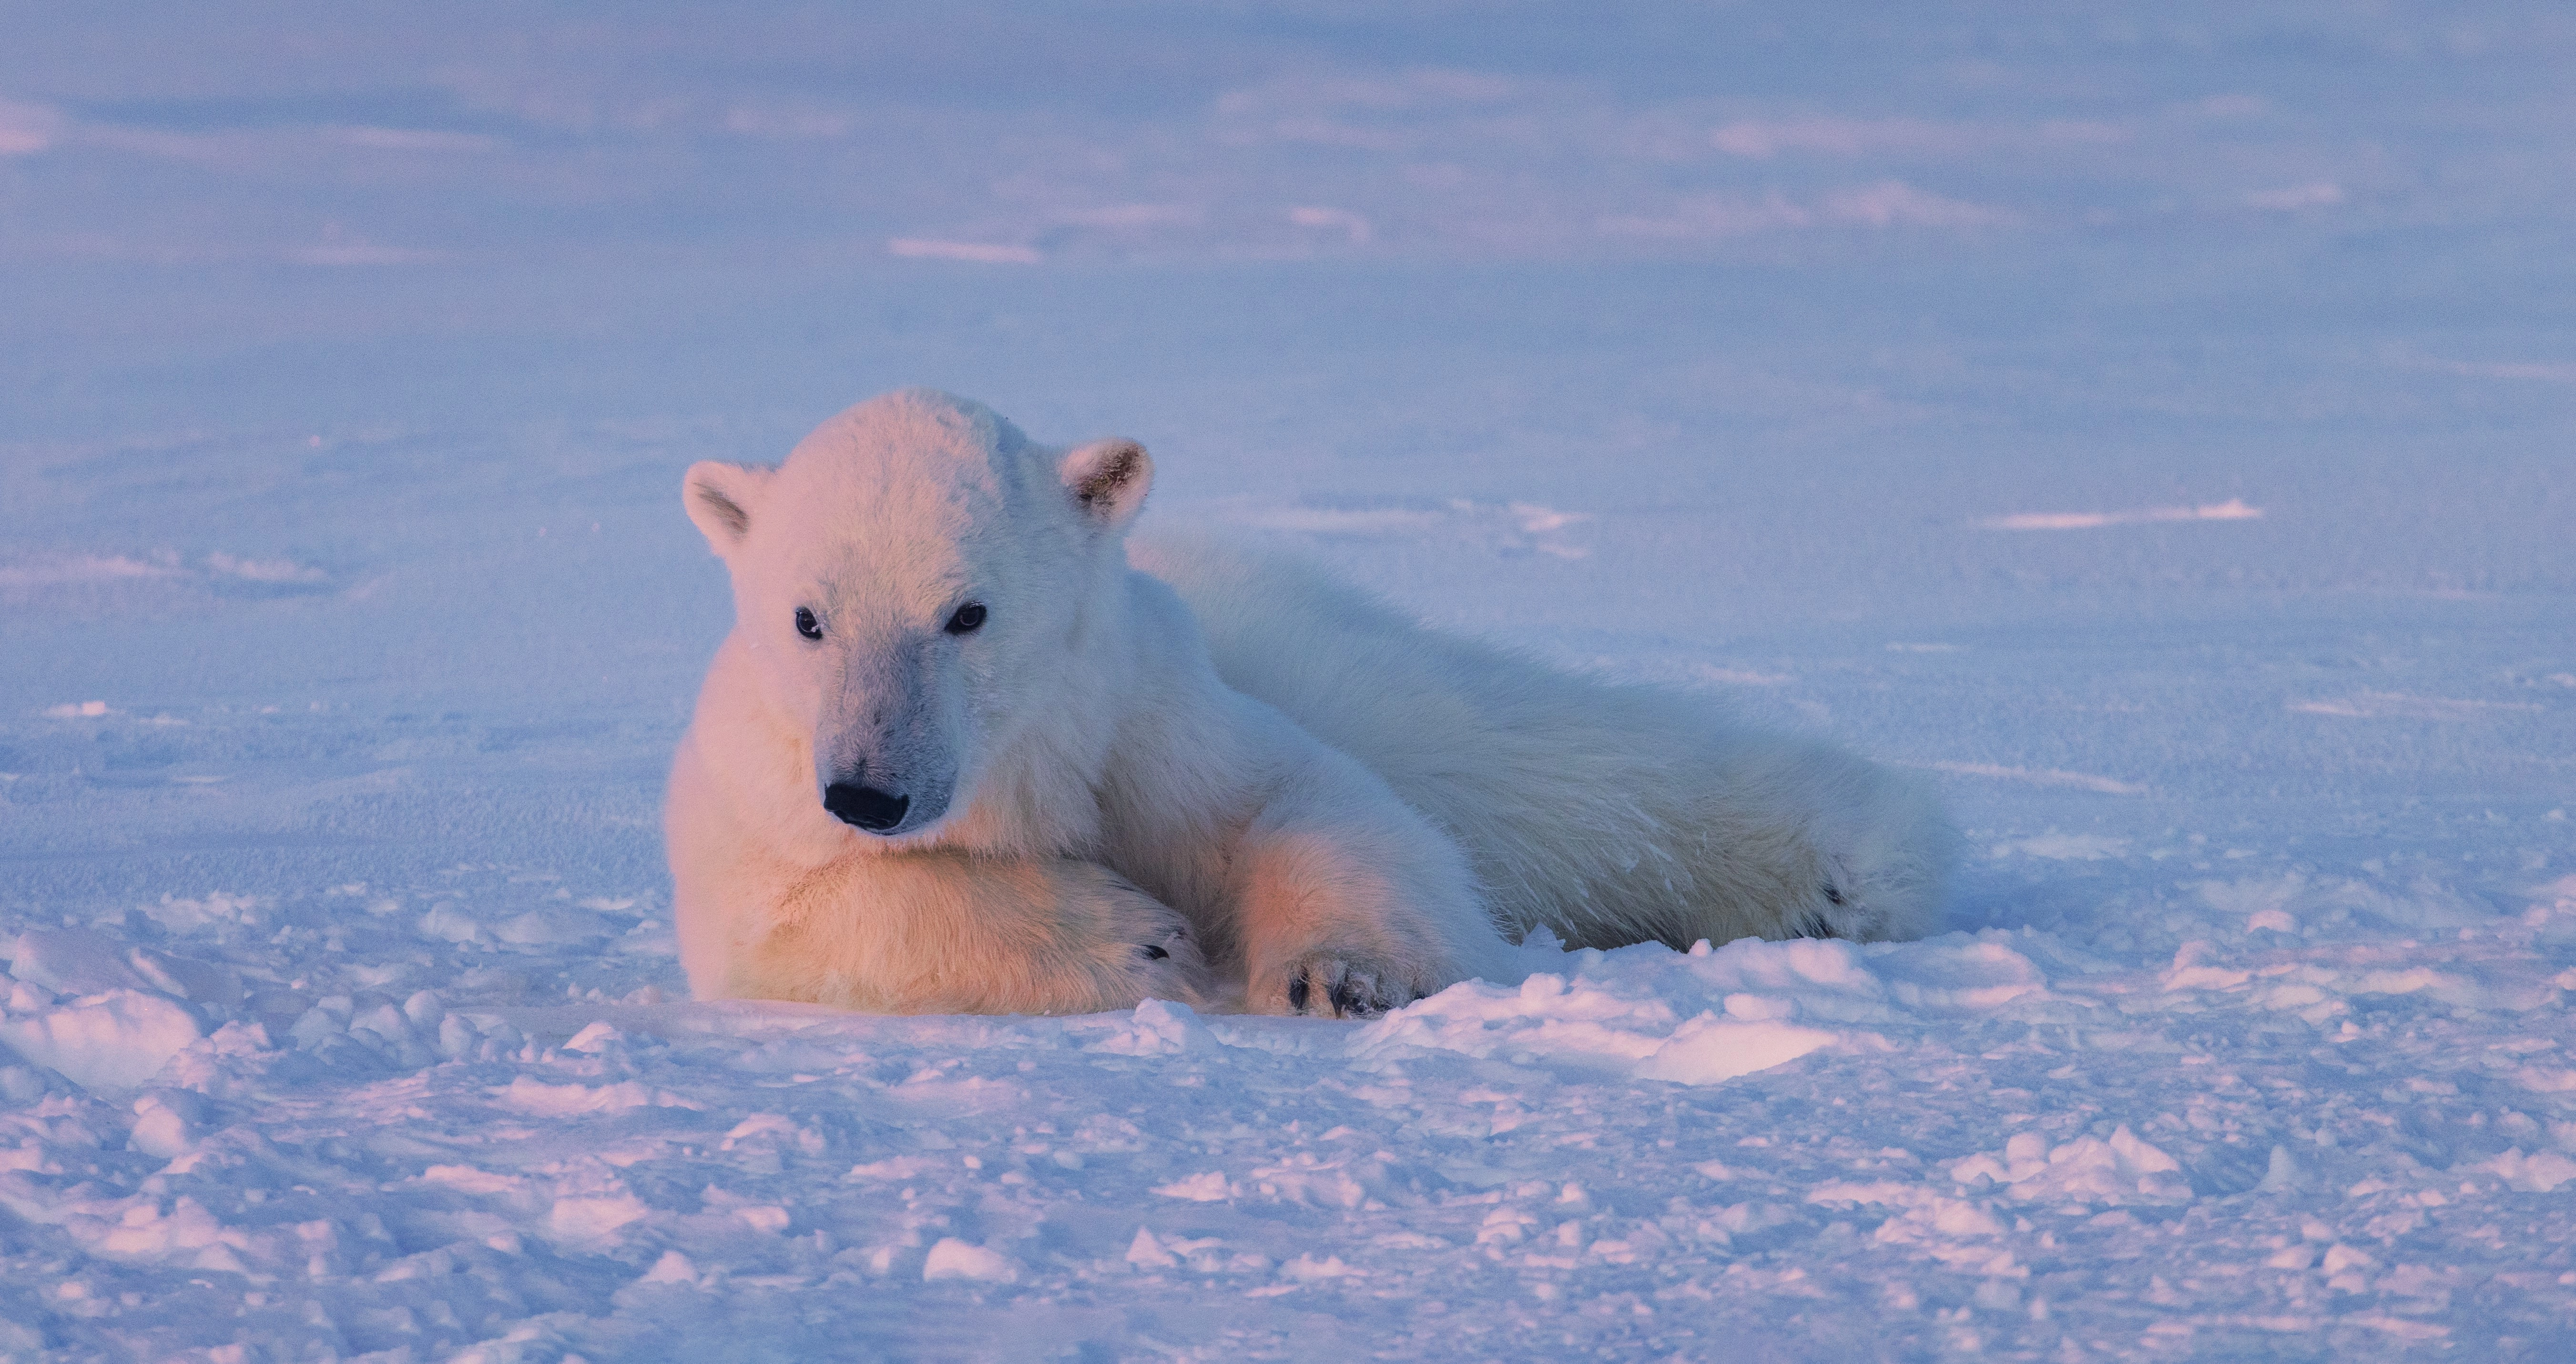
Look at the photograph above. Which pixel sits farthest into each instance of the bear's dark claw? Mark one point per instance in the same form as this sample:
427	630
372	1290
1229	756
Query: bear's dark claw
1832	896
1334	990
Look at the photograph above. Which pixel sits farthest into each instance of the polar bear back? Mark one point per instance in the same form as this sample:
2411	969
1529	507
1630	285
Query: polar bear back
1610	813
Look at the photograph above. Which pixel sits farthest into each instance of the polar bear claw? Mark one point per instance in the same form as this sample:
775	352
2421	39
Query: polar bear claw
1342	989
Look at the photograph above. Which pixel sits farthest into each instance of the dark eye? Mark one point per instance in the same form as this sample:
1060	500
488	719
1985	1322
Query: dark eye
806	625
968	620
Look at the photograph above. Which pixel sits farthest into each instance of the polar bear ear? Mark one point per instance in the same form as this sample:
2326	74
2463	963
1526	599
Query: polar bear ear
719	497
1108	479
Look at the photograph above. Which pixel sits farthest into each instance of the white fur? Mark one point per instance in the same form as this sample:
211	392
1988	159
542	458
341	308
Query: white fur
1610	813
1077	784
1075	766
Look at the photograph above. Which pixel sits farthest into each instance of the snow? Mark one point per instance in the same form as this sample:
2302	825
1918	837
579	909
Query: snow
2150	421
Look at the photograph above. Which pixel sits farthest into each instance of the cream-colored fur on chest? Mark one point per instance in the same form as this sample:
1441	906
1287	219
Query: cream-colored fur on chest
959	755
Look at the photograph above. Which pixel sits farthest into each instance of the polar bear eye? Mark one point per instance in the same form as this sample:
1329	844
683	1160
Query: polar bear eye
968	620
806	625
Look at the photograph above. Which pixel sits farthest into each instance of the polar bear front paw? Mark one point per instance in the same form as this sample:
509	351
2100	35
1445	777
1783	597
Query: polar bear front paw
1174	953
1168	963
1337	987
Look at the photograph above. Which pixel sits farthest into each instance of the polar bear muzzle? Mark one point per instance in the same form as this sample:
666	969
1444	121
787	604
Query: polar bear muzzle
891	730
887	800
865	807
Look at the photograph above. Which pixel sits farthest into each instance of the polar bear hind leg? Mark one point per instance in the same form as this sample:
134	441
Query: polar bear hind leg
1609	813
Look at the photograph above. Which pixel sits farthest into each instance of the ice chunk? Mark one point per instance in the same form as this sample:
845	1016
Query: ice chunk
73	961
2539	1173
533	1096
178	915
76	961
2125	1169
162	1126
1210	1187
456	1036
1158	1028
673	1267
1709	1049
554	925
594	1217
316	1026
1145	1252
384	1021
447	923
761	1142
201	982
1947	974
955	1259
1308	1268
112	1039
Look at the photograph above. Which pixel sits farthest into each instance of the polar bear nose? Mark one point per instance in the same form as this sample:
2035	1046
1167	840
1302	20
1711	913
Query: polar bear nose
865	806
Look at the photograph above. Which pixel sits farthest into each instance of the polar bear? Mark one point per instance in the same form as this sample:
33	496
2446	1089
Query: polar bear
960	754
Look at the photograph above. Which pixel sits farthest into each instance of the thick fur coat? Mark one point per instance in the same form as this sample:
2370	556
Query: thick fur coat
958	754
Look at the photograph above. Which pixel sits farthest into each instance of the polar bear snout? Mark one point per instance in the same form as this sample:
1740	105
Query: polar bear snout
865	807
887	737
885	799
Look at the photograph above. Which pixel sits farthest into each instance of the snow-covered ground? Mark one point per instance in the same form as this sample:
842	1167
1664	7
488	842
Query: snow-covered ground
2159	422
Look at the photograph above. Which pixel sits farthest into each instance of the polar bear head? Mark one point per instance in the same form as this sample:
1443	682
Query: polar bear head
909	583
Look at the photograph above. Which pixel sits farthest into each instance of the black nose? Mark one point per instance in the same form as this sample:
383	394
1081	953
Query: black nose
865	806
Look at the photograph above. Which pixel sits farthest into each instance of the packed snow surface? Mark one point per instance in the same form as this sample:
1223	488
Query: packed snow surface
2153	421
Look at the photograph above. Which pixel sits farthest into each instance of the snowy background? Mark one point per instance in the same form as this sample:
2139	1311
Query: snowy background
2157	421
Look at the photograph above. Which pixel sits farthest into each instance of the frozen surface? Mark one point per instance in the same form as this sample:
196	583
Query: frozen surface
2157	421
